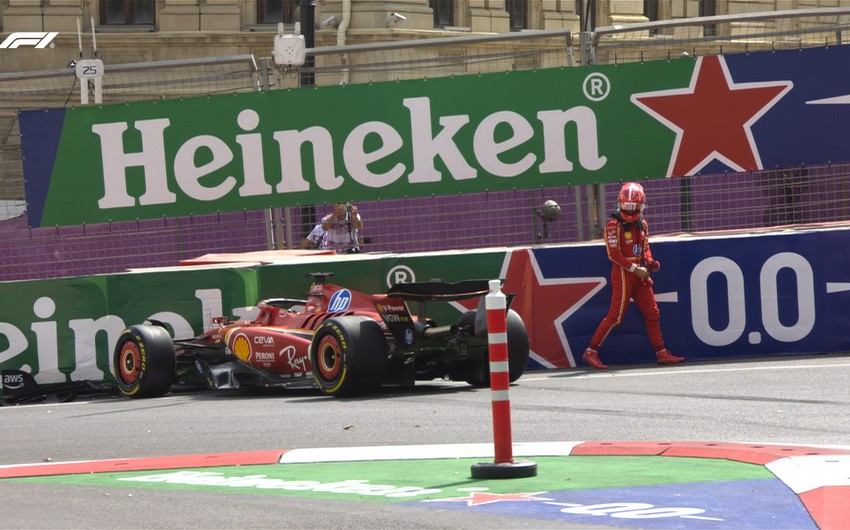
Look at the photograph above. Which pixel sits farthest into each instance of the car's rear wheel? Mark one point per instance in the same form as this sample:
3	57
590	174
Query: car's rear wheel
477	371
349	356
144	361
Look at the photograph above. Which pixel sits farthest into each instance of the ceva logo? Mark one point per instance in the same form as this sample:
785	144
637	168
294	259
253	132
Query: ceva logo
38	39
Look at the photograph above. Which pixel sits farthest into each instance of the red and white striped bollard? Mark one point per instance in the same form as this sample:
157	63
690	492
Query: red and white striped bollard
497	338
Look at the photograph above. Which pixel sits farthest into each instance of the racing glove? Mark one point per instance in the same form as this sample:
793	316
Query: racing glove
653	266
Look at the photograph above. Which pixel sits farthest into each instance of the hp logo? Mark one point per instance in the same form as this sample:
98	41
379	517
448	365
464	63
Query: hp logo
339	301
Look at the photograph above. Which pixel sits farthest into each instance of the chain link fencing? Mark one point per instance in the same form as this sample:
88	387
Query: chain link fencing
716	35
40	253
731	201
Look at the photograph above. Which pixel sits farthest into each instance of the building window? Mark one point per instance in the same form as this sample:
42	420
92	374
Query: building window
444	13
587	14
708	8
127	12
517	11
650	11
274	11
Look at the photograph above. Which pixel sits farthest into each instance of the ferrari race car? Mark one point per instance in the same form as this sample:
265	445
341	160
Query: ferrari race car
343	342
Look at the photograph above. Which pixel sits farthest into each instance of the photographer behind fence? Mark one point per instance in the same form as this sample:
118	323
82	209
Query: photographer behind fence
315	239
342	229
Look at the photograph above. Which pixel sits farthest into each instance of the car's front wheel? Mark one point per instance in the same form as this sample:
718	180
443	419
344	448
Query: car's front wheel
349	356
144	361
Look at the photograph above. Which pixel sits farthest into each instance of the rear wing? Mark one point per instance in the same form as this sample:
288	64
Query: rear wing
439	291
444	292
401	326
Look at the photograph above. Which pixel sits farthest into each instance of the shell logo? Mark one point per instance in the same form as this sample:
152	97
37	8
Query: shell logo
241	347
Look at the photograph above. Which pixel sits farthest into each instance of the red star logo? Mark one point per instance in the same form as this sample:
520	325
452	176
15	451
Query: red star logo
543	304
712	117
477	498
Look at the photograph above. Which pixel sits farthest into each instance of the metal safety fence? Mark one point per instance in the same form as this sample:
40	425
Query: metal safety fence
716	35
747	201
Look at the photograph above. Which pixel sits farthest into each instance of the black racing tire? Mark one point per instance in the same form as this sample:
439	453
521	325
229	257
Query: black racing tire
518	346
468	319
144	362
349	356
477	371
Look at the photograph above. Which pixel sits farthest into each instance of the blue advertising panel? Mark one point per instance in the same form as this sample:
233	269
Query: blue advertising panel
720	296
723	297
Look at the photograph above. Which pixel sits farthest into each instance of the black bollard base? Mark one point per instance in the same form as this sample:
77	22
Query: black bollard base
487	470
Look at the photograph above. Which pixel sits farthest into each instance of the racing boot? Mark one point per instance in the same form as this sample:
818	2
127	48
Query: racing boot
592	358
665	357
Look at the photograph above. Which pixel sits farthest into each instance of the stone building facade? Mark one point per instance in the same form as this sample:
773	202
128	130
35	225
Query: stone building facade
131	31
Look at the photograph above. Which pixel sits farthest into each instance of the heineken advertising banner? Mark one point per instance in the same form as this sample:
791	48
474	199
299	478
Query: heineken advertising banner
64	330
443	136
720	297
52	329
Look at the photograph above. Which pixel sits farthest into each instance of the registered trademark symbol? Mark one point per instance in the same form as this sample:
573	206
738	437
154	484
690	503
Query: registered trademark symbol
596	87
52	45
400	274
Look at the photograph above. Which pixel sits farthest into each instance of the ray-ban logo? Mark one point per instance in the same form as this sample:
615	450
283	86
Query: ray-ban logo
38	39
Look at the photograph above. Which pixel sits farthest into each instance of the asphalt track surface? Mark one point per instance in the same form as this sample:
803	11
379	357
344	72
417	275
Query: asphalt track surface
741	444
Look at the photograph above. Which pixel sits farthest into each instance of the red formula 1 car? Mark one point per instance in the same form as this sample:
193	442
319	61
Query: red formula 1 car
343	342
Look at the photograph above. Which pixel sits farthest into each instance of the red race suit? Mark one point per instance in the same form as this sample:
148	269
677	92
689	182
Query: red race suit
628	248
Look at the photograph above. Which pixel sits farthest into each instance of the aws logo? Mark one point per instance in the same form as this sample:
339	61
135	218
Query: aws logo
13	381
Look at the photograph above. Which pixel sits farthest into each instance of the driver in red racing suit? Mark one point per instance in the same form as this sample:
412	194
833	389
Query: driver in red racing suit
627	242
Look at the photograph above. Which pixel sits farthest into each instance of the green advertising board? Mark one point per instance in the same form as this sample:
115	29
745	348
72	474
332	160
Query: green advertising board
64	330
186	299
473	133
54	329
435	137
375	273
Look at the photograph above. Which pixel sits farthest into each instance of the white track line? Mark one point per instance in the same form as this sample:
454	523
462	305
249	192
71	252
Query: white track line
678	370
421	452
